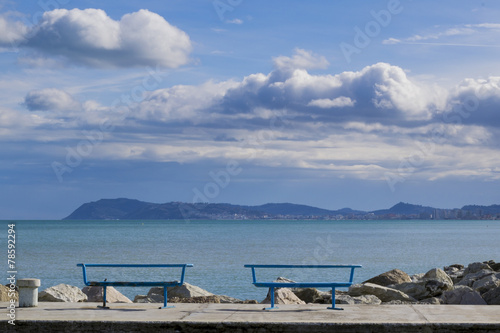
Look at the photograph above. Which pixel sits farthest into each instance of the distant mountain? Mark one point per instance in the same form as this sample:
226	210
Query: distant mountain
481	210
107	209
129	209
402	208
303	210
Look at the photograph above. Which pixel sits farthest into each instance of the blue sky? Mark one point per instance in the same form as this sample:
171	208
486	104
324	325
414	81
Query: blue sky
334	104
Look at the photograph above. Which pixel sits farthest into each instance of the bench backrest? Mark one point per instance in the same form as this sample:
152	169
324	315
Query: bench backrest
351	267
84	268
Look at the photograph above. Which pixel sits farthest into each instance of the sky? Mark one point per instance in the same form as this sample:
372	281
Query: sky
333	104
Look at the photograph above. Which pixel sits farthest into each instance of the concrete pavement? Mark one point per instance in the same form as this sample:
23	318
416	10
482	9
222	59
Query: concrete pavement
85	317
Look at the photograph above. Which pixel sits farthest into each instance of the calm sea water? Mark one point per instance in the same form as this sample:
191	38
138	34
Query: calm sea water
50	250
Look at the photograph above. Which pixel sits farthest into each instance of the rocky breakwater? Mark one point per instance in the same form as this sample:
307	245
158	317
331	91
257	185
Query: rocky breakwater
476	284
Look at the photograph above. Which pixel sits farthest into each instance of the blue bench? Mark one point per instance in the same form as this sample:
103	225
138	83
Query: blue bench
332	284
106	283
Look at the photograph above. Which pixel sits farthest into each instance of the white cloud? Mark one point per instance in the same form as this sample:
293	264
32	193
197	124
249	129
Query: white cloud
378	117
90	37
302	59
50	99
235	21
326	103
483	34
12	32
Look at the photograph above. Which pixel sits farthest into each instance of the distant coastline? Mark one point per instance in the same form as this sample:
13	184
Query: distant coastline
131	209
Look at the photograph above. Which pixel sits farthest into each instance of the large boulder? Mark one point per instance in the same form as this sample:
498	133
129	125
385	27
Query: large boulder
495	266
455	272
4	294
462	295
385	294
308	295
195	299
486	283
416	290
476	267
438	274
431	284
185	291
228	299
283	296
95	294
394	276
492	297
363	299
469	279
437	281
62	293
155	294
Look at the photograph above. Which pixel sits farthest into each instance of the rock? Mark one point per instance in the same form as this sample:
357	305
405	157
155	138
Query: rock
416	290
395	276
476	267
308	295
155	294
433	283
495	267
486	283
94	294
195	299
62	293
462	295
283	296
283	279
4	293
249	301
430	300
397	302
469	279
455	272
228	299
366	299
455	266
385	294
186	290
417	277
437	274
142	299
492	297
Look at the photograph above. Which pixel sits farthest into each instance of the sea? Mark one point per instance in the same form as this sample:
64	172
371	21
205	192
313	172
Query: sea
51	250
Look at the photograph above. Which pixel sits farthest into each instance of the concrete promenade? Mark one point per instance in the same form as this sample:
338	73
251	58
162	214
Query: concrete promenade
86	317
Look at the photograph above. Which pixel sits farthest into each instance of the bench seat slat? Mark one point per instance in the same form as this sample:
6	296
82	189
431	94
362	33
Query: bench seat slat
302	284
133	284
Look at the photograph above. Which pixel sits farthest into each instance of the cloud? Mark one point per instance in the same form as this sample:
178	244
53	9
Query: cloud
382	93
12	32
475	101
50	99
327	103
360	124
302	59
483	34
90	37
235	21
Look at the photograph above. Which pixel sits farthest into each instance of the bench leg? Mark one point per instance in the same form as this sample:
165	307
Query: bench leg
165	299
272	300
333	301
103	299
